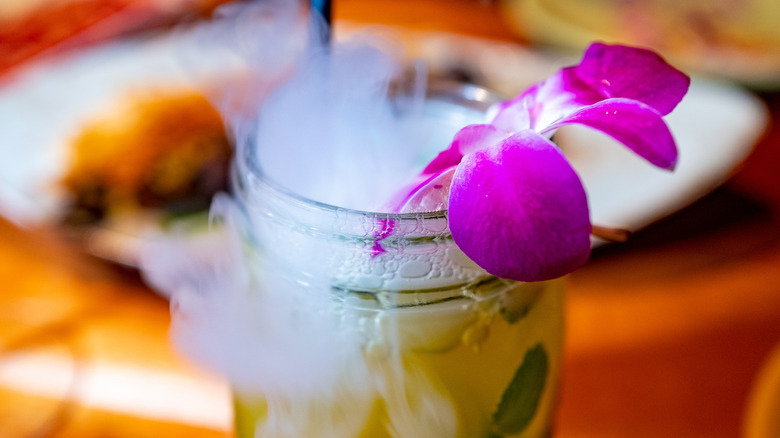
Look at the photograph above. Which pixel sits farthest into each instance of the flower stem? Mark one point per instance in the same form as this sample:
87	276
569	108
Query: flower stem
617	235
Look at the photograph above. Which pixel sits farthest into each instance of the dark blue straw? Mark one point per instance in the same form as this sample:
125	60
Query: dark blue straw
323	8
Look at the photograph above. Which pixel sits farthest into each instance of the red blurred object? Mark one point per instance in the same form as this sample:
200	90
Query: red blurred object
62	26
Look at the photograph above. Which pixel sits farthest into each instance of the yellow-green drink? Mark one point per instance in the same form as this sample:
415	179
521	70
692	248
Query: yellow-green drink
438	370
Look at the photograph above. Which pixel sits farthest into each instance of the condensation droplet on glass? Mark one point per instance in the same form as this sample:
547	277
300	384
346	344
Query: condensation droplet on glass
415	269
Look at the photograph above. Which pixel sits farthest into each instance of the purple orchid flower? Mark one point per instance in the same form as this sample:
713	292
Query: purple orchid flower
516	206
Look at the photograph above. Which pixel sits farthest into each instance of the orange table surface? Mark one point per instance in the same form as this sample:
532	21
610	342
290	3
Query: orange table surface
665	334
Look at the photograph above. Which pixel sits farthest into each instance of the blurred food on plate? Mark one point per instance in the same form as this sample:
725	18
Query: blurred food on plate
154	149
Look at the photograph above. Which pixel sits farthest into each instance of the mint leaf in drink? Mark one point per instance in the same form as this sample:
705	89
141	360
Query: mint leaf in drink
521	398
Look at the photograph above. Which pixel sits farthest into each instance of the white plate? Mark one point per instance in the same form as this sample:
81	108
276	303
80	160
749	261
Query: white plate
716	125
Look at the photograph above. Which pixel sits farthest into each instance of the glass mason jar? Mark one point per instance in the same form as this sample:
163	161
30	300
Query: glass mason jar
379	326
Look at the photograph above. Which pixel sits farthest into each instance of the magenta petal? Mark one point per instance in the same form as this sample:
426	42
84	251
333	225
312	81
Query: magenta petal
605	72
519	210
468	139
449	157
515	115
640	74
474	137
431	196
636	125
423	191
545	102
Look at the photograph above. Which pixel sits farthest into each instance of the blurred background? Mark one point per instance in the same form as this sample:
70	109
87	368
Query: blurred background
674	333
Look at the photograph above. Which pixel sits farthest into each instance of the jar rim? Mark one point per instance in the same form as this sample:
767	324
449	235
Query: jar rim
468	95
259	179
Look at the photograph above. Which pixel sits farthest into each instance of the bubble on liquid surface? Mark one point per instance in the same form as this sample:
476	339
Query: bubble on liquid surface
415	269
